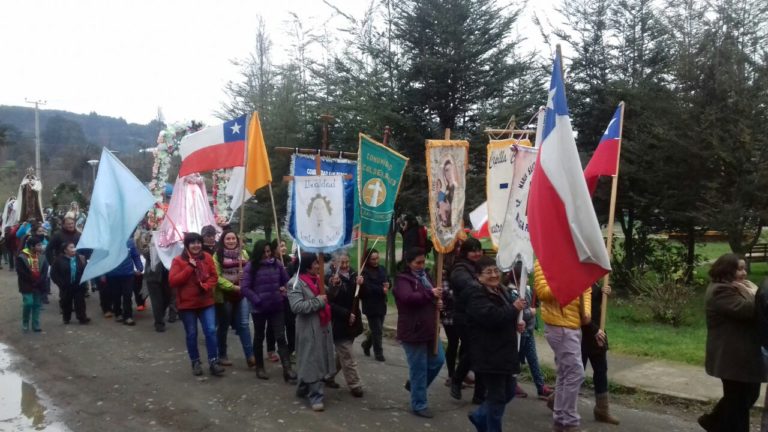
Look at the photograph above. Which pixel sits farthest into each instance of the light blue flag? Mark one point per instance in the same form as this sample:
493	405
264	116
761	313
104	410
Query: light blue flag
118	204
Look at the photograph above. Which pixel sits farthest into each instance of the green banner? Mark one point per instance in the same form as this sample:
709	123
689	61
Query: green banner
379	171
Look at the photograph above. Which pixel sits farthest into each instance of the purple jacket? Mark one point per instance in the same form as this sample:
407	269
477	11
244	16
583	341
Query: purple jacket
415	309
263	288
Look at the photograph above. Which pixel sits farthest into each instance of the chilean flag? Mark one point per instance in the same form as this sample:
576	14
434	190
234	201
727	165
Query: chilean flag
605	160
479	219
565	235
213	148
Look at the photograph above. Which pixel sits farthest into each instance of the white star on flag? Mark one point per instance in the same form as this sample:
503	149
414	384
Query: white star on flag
235	128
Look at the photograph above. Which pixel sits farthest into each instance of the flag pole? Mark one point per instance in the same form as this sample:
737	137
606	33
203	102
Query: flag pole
611	216
277	227
242	201
439	277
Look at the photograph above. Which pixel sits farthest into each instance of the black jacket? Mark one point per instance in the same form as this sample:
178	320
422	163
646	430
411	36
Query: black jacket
61	272
374	299
462	281
27	283
492	322
342	297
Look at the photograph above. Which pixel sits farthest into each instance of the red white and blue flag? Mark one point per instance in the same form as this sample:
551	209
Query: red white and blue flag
563	226
213	148
605	160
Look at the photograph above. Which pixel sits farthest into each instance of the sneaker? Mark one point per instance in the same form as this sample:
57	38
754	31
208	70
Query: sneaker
160	328
108	315
224	361
216	369
37	330
366	348
317	407
129	322
331	383
197	368
273	357
519	392
172	319
66	321
140	308
425	413
85	320
380	357
544	392
356	392
119	318
25	327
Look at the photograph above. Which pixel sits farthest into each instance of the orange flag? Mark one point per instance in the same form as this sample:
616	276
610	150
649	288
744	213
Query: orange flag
257	172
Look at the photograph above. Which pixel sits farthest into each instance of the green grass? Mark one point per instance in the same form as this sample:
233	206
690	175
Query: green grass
711	251
632	331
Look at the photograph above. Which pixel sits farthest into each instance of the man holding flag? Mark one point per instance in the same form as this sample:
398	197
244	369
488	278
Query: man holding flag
567	240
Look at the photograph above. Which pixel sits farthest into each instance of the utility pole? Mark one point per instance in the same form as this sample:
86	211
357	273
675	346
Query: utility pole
37	104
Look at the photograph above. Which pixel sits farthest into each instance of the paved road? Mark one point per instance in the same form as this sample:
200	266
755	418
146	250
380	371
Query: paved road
131	378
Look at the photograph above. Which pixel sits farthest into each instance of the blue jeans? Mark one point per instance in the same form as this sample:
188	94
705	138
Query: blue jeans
423	367
528	352
207	317
500	390
237	315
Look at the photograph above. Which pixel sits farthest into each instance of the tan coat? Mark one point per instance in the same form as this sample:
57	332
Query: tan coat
733	342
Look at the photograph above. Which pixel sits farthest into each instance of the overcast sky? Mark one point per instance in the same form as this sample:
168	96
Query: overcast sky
126	58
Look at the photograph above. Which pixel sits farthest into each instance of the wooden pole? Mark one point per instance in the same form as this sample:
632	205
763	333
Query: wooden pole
611	216
242	201
325	118
277	227
439	278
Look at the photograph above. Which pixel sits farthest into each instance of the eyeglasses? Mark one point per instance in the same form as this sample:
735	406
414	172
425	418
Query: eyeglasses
491	272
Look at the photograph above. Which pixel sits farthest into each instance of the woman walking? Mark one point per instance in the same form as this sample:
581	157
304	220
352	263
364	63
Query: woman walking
193	277
374	294
231	306
314	337
492	321
417	303
733	346
264	285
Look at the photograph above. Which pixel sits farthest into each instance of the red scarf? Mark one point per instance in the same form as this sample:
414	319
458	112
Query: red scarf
324	313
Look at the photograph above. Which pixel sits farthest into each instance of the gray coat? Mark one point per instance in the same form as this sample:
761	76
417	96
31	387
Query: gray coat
733	342
314	344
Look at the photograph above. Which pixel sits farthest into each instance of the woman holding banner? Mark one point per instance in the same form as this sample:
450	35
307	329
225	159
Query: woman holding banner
417	300
492	321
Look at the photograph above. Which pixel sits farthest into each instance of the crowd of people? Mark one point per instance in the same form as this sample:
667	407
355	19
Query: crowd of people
312	324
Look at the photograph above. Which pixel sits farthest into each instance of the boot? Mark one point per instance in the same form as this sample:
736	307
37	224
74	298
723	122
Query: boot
366	347
289	375
261	373
197	368
602	414
216	369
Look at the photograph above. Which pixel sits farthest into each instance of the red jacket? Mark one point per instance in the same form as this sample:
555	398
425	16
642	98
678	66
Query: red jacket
192	293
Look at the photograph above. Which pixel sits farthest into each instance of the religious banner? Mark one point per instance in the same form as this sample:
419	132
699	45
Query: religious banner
498	183
514	241
380	170
304	165
318	202
446	172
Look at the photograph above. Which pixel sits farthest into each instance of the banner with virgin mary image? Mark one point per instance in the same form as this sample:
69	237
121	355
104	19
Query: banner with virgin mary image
446	173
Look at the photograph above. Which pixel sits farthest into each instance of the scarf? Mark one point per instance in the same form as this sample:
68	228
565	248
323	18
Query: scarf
324	313
73	269
422	276
231	264
34	266
200	271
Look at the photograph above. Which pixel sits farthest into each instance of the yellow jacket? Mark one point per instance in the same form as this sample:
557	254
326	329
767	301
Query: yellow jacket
551	312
